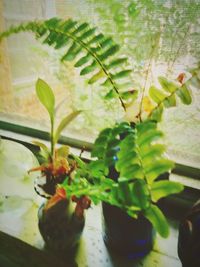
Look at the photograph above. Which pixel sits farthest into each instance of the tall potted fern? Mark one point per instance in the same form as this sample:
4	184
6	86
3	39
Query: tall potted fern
131	154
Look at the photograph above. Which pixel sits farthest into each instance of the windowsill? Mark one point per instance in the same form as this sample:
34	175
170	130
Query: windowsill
92	250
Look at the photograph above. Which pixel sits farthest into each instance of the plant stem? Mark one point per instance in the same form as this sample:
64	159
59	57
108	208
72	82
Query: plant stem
52	139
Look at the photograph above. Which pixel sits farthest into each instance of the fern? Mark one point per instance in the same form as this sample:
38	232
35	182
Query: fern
92	52
166	97
146	157
139	160
106	145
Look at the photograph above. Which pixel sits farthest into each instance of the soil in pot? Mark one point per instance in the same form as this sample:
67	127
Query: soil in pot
132	238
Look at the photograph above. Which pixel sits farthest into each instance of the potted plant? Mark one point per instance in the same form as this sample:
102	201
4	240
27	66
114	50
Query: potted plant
130	154
60	222
128	159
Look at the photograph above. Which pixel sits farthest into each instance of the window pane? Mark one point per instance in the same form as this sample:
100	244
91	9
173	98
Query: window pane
158	37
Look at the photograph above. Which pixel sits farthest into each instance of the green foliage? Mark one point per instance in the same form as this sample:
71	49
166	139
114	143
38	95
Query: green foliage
47	99
92	52
131	150
141	150
166	96
107	144
158	220
138	158
63	124
161	189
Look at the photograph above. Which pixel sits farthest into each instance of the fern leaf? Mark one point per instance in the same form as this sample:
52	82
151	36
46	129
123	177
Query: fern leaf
168	86
117	62
166	97
87	34
108	53
157	218
94	47
140	194
184	95
157	95
83	60
136	151
162	189
121	74
89	68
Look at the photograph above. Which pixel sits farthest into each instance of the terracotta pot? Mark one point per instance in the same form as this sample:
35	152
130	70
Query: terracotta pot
59	226
189	238
132	238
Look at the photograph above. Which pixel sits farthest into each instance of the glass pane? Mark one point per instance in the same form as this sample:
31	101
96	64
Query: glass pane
158	37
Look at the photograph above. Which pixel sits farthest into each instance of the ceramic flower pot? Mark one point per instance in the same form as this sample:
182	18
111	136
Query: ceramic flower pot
132	238
60	227
189	238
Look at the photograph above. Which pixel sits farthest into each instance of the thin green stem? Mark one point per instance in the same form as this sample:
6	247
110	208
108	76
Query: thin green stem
52	139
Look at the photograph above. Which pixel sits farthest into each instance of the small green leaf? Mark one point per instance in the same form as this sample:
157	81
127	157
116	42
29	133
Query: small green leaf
121	74
63	151
158	167
88	69
157	113
116	62
148	154
157	95
184	95
97	168
106	42
46	96
51	38
53	22
111	94
65	121
133	171
140	194
164	188
83	60
168	86
61	41
87	34
111	51
96	39
170	101
96	77
124	191
71	53
158	220
44	151
67	25
80	28
129	95
41	145
145	138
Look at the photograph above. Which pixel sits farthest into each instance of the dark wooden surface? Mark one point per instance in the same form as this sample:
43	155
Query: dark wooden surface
16	253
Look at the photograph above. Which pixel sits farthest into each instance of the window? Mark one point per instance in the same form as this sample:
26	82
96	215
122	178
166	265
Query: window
159	38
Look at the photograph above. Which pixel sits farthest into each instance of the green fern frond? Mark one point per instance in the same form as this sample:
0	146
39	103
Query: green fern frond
140	157
92	52
166	97
106	145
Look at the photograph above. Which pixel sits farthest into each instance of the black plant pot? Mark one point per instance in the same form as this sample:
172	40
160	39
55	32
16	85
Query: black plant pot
60	228
132	238
189	238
